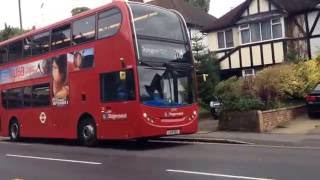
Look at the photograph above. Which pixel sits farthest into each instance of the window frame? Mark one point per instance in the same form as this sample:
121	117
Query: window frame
95	29
48	32
61	28
6	55
224	32
274	24
102	87
41	34
22	89
244	27
21	50
97	22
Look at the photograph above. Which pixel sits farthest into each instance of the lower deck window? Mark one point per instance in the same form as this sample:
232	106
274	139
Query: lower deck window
31	96
117	86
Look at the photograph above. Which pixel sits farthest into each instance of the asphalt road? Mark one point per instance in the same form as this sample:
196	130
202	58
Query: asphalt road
39	160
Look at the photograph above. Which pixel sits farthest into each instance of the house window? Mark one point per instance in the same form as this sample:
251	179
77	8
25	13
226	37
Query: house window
221	40
229	38
276	28
266	30
256	32
225	39
248	72
245	34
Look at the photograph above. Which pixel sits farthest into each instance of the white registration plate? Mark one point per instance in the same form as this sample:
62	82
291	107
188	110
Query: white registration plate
173	132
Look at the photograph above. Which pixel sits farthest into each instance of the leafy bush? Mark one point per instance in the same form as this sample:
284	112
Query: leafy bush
272	87
235	97
306	76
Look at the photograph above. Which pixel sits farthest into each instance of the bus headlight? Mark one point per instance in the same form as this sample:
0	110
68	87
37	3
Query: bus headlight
145	115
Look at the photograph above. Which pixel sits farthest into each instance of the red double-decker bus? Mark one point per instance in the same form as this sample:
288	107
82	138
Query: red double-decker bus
121	71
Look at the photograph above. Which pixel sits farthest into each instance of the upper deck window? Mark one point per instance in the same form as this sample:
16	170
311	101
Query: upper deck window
61	37
15	50
27	44
83	30
109	23
156	22
40	43
3	54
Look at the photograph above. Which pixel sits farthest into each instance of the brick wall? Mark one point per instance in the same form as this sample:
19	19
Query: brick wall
273	118
259	121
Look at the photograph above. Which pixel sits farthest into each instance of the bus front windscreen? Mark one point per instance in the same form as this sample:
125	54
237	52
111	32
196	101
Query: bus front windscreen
165	62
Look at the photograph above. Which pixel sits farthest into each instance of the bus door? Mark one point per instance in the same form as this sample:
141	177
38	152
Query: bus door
118	93
40	116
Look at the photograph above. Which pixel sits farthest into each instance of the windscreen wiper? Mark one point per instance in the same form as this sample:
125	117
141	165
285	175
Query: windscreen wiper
183	66
149	64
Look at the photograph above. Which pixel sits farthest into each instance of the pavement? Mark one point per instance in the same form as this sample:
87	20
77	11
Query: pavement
301	132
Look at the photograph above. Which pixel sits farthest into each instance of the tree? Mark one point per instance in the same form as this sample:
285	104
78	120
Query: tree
9	32
79	10
207	67
203	4
208	70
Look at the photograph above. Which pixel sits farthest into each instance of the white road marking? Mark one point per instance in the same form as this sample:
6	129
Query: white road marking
53	159
243	145
216	175
19	144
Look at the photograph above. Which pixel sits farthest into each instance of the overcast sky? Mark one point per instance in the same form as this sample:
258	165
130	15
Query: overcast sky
43	12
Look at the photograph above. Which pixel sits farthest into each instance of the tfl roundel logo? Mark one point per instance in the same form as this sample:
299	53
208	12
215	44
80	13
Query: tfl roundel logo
42	117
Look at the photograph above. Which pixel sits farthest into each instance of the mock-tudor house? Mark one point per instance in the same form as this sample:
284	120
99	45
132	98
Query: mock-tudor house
260	33
196	19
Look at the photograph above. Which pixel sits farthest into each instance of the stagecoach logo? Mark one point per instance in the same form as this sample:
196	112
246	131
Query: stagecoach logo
173	114
42	117
111	116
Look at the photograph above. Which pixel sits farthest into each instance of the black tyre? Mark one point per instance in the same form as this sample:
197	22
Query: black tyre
14	130
87	132
214	114
312	115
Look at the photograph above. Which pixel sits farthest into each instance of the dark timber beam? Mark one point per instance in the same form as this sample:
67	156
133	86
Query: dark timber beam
251	56
272	53
240	58
299	27
315	23
261	53
308	35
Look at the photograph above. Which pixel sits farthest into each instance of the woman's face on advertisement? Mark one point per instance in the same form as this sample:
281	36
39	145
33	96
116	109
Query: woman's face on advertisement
55	72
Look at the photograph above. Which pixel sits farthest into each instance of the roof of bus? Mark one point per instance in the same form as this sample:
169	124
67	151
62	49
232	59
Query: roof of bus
57	24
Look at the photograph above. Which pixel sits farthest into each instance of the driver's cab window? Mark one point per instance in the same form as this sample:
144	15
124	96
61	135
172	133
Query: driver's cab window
117	86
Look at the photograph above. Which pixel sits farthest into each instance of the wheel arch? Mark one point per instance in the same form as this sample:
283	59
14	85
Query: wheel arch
12	119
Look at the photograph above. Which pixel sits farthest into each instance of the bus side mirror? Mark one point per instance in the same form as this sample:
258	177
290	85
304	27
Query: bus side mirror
123	64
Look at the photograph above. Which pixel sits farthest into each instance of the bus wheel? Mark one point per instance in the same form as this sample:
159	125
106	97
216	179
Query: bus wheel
87	134
14	130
